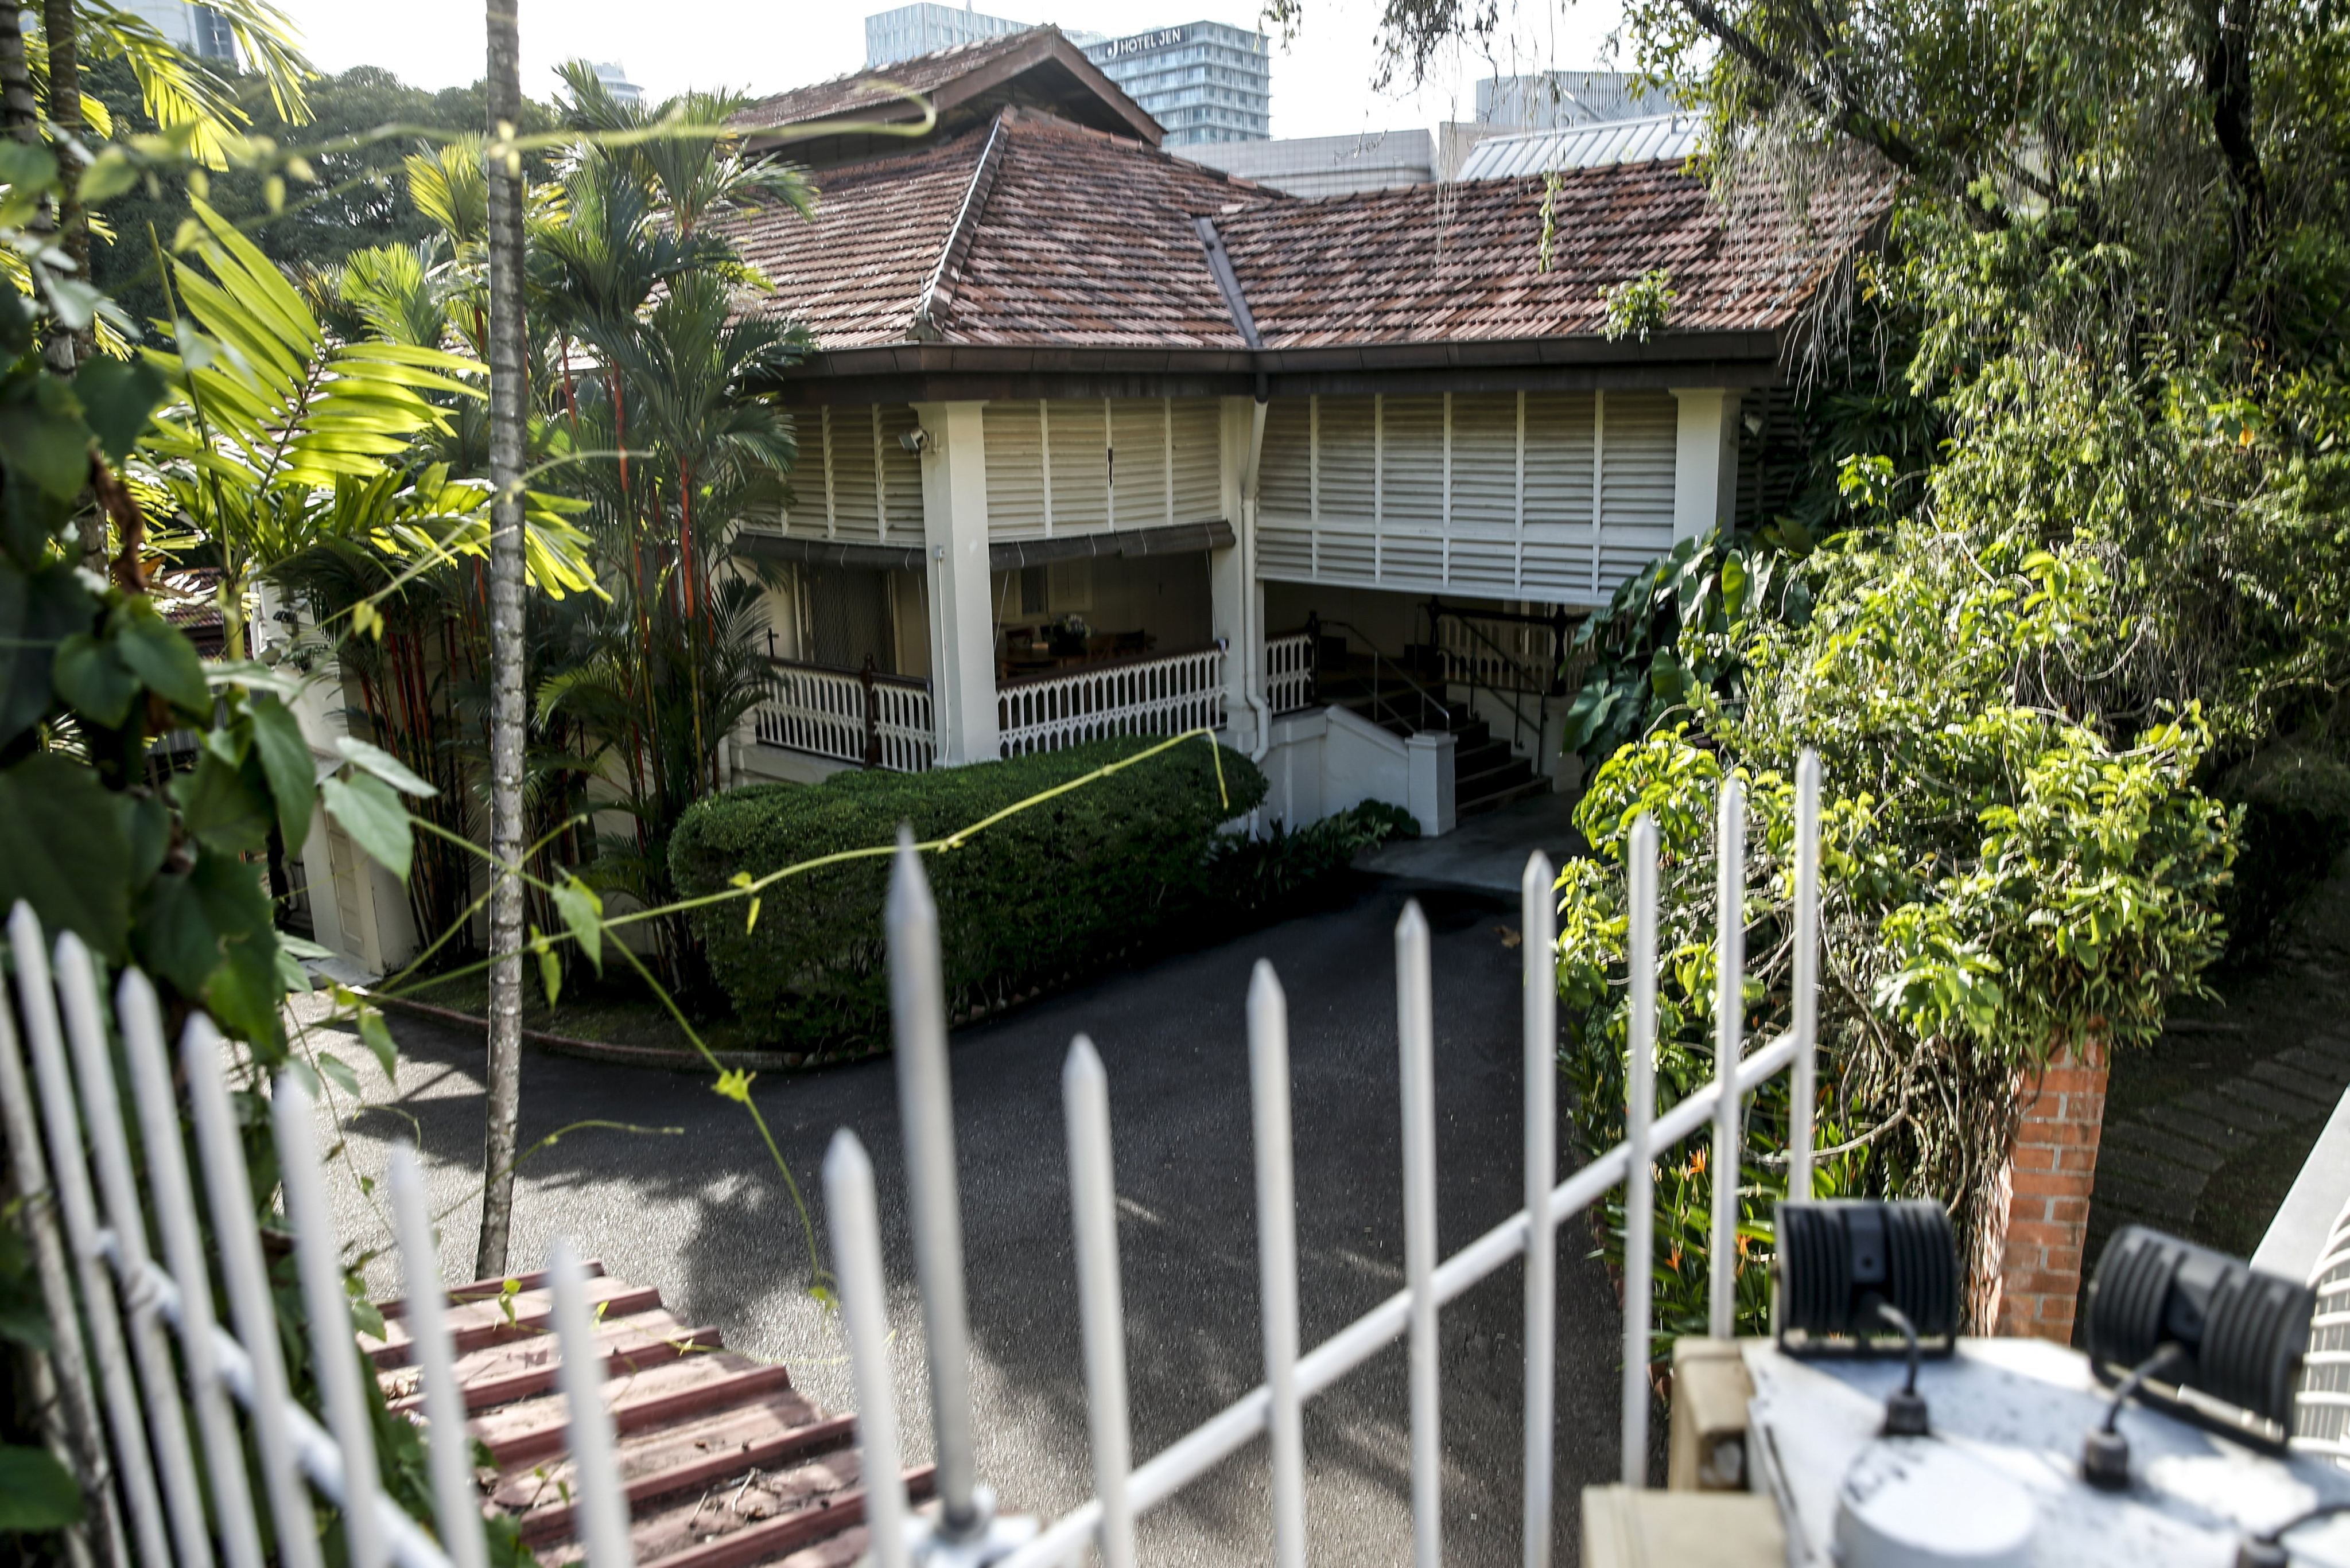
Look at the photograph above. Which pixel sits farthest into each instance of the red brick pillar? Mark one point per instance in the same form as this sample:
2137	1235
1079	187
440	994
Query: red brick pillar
2033	1239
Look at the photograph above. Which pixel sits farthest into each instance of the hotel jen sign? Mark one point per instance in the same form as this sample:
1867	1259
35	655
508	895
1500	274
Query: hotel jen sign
1143	43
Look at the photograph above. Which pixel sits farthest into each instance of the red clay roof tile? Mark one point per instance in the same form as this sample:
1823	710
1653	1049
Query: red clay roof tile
1078	238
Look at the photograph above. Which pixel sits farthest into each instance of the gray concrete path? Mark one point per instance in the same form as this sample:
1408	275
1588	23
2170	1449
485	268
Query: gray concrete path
700	1212
1488	850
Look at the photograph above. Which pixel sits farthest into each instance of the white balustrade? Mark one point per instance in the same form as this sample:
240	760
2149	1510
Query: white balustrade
840	714
1165	694
1289	671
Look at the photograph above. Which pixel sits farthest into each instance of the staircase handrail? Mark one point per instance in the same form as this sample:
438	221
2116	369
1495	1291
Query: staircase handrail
1314	624
1508	697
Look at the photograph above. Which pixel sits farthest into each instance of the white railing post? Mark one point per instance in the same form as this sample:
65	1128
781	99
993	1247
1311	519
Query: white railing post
926	1109
1803	1079
84	1441
101	1111
1276	1248
1729	1005
229	1194
37	1005
599	1502
1640	1113
456	1506
1416	1031
1092	1204
334	1352
852	1213
1537	922
183	1237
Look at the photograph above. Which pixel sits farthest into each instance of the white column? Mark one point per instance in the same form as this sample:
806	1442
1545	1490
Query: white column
1705	460
962	613
1237	602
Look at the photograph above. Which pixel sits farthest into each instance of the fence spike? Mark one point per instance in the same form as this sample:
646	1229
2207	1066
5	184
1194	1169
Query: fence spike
1537	923
334	1350
1803	1081
83	1440
183	1250
1093	1203
1640	1116
61	1117
853	1216
1416	1032
456	1505
599	1502
151	1352
1276	1231
926	1109
227	1190
1729	1007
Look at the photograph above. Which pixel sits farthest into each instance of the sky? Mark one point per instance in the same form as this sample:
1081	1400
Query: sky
1321	80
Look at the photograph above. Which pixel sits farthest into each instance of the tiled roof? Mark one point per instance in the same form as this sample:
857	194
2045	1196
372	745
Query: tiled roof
861	92
1463	262
1086	239
1065	237
1078	238
854	274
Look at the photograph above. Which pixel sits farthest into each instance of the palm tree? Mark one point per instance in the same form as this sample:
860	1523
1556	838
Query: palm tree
509	415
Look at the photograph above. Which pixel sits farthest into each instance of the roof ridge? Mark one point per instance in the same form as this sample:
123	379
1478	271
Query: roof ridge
929	310
877	74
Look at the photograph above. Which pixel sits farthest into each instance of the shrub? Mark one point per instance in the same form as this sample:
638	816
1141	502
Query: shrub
2296	805
1058	890
1257	874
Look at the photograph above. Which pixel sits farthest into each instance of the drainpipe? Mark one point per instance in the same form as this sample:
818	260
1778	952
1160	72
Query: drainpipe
1253	655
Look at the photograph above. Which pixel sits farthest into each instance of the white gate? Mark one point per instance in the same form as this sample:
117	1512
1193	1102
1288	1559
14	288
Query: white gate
125	1418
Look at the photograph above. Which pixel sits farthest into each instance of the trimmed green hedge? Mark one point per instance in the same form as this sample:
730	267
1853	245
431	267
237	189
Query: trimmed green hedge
1058	890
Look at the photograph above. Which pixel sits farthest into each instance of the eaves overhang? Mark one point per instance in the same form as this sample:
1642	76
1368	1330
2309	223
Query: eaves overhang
942	372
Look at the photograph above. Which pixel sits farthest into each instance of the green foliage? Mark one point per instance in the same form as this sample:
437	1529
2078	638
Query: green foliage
355	201
1058	890
1643	671
1637	307
1997	879
1260	873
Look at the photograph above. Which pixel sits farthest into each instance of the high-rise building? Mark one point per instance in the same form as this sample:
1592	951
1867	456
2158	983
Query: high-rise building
615	81
1204	81
198	30
909	30
1548	100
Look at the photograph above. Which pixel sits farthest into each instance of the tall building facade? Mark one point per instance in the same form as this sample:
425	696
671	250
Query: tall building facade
1204	81
1548	100
909	30
198	30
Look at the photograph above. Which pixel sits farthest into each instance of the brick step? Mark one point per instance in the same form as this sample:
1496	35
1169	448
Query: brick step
781	1432
524	1369
476	1323
674	1391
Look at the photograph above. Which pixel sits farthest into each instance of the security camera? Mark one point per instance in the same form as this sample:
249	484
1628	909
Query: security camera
915	439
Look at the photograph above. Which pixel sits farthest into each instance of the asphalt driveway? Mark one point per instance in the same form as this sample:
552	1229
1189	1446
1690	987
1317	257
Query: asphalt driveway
700	1212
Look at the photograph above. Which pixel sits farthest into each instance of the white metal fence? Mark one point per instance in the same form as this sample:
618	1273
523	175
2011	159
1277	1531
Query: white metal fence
966	1530
122	1396
1289	671
126	1423
1158	694
849	716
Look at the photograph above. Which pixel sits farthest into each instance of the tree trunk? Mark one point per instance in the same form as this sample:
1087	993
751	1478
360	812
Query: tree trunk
22	112
509	398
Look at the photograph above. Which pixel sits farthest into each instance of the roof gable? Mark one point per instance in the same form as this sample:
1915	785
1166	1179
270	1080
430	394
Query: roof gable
964	85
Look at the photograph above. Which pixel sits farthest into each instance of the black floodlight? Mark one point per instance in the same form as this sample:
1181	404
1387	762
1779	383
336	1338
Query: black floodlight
2226	1341
1852	1270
